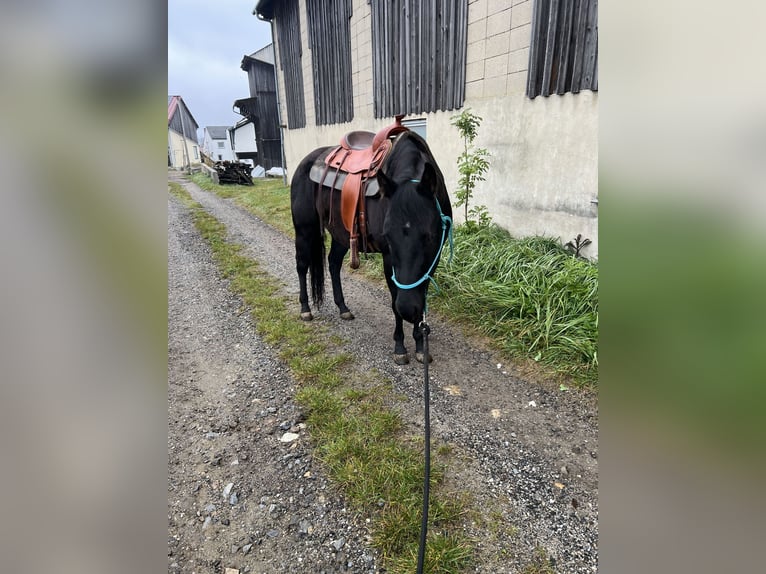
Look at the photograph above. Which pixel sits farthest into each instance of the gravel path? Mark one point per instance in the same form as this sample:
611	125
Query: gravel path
526	453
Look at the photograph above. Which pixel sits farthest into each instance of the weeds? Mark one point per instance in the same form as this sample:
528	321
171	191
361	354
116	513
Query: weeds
577	244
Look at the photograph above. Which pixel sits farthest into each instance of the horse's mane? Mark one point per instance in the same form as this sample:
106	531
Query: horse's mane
408	156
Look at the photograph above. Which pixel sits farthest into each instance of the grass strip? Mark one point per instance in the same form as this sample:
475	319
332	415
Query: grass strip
269	199
359	440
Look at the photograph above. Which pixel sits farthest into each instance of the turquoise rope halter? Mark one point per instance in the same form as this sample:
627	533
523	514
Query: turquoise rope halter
445	219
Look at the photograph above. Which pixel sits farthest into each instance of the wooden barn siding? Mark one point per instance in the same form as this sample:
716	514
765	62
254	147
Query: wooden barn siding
286	15
564	52
188	123
260	77
267	130
251	80
330	42
419	55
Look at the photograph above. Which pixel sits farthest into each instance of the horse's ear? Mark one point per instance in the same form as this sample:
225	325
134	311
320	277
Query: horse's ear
386	186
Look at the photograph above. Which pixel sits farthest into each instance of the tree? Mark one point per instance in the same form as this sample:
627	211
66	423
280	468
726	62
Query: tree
473	163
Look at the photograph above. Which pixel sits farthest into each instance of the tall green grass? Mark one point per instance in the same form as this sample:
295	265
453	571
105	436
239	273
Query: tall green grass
530	296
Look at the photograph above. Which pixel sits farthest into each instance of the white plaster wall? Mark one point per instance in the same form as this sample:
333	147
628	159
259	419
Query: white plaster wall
177	152
244	139
543	175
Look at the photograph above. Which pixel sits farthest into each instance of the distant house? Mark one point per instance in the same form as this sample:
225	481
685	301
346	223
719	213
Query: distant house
183	149
216	143
260	112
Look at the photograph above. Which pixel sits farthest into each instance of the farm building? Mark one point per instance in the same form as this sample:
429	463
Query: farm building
529	68
257	137
183	149
216	143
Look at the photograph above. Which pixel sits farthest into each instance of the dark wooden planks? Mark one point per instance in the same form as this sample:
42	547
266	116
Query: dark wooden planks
550	46
563	67
330	43
563	56
290	56
419	54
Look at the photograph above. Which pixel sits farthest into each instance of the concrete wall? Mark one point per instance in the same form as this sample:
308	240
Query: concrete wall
543	178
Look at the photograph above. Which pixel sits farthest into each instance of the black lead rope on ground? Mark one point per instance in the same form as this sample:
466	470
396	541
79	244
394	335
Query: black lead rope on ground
425	329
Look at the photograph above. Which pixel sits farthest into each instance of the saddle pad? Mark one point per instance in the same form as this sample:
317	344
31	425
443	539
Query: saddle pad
330	177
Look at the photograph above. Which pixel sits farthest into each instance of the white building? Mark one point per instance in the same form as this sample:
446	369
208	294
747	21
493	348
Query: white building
216	143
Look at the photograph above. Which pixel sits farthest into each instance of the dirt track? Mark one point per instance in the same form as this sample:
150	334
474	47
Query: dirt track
527	452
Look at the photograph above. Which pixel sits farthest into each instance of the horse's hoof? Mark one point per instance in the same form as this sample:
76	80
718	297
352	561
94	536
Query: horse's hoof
307	316
419	357
347	316
402	359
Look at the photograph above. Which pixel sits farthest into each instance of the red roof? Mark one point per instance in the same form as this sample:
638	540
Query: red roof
172	105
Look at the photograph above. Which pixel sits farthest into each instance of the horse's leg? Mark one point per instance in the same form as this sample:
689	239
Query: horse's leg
400	351
335	260
417	334
303	261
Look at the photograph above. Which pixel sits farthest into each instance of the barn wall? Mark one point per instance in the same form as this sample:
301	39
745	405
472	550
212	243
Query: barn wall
543	177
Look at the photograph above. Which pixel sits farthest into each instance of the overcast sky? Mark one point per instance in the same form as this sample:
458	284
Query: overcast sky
206	42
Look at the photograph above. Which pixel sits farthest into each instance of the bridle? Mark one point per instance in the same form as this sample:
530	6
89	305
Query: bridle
445	220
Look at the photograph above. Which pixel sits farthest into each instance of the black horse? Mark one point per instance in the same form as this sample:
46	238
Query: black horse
408	222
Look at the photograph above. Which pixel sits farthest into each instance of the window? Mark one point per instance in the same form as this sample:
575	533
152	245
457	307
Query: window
419	51
564	53
417	125
196	154
330	43
290	55
220	157
220	145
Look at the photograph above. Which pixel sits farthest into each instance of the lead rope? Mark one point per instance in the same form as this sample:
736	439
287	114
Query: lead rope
425	329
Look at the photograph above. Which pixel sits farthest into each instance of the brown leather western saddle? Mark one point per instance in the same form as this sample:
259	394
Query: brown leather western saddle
351	167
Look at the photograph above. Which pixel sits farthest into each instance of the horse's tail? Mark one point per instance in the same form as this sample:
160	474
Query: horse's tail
306	210
316	267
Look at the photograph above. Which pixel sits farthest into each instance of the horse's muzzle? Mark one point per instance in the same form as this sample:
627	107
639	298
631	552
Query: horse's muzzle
409	304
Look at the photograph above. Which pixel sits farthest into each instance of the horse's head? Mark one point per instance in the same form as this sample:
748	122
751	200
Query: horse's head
414	228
